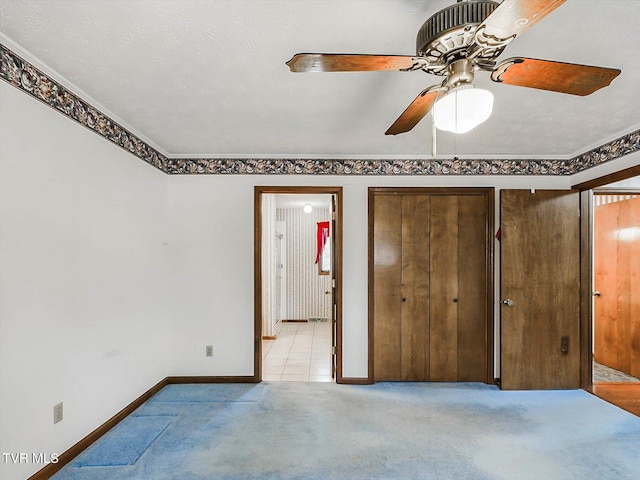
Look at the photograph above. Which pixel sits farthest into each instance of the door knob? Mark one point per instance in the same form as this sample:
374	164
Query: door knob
596	293
404	299
455	300
508	302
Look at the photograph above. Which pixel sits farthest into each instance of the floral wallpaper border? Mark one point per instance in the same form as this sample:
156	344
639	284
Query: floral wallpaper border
21	74
617	148
365	167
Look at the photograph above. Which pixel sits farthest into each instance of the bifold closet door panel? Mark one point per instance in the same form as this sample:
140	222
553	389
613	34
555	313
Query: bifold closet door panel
472	287
415	288
443	311
387	278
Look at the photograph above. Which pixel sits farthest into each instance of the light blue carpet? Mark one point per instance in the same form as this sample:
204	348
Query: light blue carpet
125	442
383	431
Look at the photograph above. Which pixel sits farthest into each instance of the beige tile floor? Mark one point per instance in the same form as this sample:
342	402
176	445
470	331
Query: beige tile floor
301	352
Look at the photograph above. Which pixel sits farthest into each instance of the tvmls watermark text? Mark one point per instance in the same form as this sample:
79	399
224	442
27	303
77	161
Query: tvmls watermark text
23	457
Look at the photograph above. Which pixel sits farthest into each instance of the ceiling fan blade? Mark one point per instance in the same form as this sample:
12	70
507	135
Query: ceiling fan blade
416	111
560	77
344	62
512	18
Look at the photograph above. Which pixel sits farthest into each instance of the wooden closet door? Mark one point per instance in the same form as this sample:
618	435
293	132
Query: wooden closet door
387	279
458	259
401	279
414	342
430	286
473	284
443	312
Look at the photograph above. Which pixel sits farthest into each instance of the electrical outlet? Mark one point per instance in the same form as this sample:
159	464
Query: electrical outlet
209	351
57	413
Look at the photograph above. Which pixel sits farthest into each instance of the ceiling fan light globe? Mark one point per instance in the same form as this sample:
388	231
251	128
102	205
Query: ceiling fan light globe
462	110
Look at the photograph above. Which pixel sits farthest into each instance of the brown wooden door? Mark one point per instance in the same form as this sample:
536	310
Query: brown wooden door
387	280
617	282
429	287
458	288
401	282
540	331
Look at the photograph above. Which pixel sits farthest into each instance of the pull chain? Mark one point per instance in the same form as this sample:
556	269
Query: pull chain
433	135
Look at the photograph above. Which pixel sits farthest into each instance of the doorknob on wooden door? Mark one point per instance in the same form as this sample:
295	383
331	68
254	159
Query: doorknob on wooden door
508	302
596	293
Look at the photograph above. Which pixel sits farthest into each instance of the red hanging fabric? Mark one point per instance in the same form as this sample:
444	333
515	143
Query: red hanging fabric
322	237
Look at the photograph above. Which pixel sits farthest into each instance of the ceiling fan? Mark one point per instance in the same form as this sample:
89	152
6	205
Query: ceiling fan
458	41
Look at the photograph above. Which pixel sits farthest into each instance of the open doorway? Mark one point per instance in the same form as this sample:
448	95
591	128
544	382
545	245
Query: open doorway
297	284
616	268
613	253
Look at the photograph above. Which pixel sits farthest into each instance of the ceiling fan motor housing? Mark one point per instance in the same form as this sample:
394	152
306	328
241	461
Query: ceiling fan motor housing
446	35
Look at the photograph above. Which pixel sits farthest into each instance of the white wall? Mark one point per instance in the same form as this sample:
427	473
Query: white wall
83	291
212	241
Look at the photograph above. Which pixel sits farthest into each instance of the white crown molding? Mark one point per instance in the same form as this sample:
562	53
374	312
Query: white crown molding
366	157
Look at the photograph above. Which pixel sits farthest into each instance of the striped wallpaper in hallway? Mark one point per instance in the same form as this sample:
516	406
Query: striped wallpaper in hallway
305	288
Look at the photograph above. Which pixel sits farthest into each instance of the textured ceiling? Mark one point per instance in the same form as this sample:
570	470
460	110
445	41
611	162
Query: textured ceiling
208	78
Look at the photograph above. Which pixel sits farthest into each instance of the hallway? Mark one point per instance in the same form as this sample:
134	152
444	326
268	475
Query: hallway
300	353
